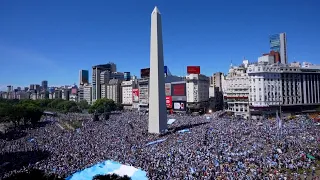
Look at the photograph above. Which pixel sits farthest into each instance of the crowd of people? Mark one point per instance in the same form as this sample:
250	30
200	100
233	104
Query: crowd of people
210	148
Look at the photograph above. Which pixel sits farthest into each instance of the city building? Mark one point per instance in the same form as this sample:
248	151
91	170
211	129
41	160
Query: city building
66	94
127	76
113	90
269	59
44	85
310	65
80	93
83	77
74	94
278	43
216	80
197	87
293	88
87	93
96	76
237	90
143	92
127	87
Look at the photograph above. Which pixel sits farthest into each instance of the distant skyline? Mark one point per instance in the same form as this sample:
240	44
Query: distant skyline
53	40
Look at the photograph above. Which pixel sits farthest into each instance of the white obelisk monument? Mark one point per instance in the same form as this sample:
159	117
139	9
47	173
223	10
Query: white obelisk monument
157	99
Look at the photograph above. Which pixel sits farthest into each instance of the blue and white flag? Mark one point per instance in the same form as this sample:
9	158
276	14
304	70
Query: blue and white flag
279	122
109	167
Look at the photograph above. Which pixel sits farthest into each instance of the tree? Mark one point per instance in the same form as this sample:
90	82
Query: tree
102	105
119	107
83	104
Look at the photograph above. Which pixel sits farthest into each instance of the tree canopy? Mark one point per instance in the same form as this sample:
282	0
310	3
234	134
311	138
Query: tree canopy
102	106
27	110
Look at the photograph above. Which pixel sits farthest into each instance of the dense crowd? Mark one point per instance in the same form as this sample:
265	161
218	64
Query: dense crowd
216	148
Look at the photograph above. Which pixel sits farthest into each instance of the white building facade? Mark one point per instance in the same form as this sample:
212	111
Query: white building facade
236	93
197	87
127	87
87	93
288	86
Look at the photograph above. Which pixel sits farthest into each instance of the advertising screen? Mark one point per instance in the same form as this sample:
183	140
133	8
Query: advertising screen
193	69
135	95
179	105
145	73
178	89
169	102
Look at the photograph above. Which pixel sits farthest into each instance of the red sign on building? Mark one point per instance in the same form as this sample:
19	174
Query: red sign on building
135	95
178	89
169	102
193	69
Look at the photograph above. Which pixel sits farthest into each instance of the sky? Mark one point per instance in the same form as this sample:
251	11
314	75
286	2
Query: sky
53	40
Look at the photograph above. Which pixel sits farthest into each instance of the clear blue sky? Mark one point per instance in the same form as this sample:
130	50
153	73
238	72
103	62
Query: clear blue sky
53	40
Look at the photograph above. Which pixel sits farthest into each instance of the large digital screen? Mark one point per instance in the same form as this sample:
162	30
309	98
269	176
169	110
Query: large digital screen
193	69
178	89
179	105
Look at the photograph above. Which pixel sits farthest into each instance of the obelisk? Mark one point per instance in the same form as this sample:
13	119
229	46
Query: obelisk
157	99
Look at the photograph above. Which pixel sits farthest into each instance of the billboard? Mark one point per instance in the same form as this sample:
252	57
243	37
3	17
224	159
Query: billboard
168	89
193	69
179	105
145	73
135	95
169	102
178	89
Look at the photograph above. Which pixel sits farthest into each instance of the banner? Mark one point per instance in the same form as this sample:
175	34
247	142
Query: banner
169	102
135	95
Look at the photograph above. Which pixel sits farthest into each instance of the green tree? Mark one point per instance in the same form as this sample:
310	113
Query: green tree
83	104
102	105
119	107
54	104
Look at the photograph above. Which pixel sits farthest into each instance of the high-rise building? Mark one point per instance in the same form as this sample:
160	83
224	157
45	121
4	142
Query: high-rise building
44	85
37	87
113	90
87	93
32	87
127	87
278	43
83	77
197	90
96	82
127	76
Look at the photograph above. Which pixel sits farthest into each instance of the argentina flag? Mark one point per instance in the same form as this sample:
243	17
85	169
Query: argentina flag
109	167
